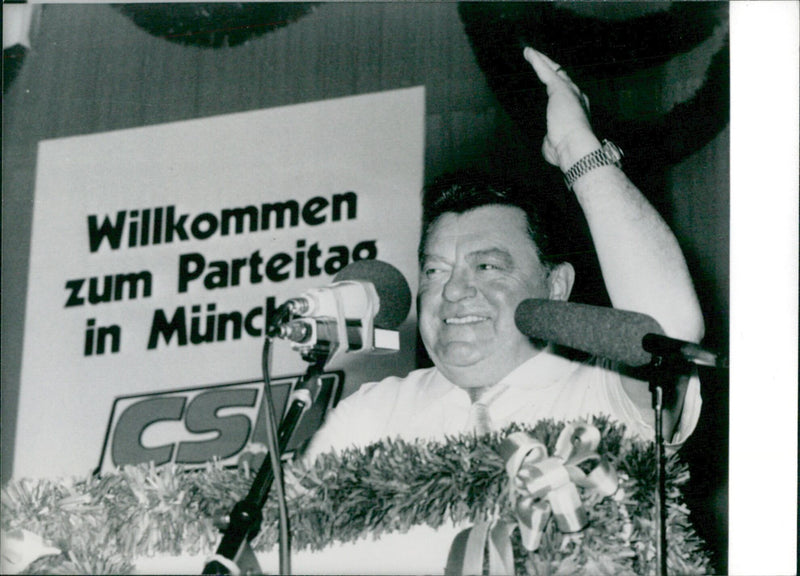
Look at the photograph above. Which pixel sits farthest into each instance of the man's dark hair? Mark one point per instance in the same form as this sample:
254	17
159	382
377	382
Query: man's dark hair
463	191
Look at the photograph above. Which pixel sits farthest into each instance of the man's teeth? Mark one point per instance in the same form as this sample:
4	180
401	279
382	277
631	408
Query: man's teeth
464	320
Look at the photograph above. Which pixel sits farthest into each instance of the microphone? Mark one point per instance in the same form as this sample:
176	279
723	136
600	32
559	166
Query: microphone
366	302
622	336
391	288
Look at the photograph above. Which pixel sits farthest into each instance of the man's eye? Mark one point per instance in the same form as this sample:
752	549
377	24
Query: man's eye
431	271
488	266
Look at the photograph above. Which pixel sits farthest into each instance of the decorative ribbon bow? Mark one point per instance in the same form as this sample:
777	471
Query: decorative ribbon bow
538	486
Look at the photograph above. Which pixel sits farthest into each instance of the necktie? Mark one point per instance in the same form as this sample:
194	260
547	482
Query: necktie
479	420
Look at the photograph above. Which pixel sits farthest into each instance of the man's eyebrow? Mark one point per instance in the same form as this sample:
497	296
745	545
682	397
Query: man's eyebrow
501	253
427	257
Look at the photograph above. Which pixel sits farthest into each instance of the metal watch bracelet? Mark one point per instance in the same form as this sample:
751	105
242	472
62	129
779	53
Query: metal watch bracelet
609	154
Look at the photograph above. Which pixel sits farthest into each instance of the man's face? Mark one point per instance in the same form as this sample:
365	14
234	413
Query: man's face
477	267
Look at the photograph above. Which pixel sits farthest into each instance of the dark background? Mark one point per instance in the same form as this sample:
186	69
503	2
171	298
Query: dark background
656	73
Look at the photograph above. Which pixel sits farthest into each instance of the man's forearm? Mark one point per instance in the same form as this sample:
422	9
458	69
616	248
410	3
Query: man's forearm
642	264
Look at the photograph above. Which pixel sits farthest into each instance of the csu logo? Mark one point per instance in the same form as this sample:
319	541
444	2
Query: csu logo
191	427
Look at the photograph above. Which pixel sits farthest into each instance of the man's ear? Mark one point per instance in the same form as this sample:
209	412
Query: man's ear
561	280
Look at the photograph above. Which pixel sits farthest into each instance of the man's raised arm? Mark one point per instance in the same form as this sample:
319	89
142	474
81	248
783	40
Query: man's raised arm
642	264
643	267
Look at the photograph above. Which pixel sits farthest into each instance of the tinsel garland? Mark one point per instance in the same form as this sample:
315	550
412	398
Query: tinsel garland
104	523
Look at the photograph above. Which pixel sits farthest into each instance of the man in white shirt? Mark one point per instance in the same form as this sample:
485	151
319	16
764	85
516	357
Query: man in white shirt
483	252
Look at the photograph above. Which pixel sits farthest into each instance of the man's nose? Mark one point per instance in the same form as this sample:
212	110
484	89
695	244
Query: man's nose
459	286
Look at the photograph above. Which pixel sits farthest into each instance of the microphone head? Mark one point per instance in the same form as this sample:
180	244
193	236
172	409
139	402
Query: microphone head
601	331
394	294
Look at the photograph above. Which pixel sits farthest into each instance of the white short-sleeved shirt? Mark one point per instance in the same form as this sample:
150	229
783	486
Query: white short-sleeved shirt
425	405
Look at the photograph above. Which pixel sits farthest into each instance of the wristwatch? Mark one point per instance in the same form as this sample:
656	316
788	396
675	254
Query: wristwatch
609	154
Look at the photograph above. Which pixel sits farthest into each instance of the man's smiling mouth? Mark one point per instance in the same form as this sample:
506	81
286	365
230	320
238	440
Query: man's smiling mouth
460	320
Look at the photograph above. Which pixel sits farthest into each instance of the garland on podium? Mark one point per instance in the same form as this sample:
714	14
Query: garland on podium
556	498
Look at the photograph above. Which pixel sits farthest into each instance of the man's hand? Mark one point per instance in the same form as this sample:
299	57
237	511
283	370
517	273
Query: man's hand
569	133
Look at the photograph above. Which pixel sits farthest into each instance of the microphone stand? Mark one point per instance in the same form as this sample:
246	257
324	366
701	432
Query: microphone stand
234	554
669	359
664	370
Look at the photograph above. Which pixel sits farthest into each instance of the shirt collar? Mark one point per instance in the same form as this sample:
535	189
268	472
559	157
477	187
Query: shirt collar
546	365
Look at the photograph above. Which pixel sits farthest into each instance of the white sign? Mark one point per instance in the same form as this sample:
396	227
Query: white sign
159	253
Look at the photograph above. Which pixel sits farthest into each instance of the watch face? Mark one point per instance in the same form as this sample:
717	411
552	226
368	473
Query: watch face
612	151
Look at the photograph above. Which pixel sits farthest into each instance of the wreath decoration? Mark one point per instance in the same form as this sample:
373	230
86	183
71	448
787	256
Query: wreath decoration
102	524
592	47
222	24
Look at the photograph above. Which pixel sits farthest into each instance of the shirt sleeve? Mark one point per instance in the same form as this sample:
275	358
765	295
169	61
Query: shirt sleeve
631	415
354	421
690	414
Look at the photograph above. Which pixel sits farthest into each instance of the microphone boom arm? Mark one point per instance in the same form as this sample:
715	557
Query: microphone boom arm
662	346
